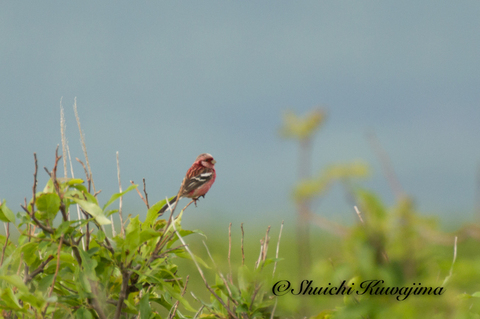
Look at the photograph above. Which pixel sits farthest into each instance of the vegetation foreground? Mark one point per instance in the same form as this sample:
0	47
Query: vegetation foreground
65	256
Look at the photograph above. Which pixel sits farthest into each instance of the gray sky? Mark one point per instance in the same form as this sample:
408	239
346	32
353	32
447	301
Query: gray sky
161	82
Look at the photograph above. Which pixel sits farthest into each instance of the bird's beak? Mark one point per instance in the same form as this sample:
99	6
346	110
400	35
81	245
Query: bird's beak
213	162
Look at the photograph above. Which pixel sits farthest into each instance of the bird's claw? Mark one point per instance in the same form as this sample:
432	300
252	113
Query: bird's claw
196	199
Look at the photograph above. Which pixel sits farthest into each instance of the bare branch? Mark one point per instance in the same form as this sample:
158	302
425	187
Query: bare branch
274	307
87	175
265	246
82	139
37	222
39	269
145	201
53	176
255	292
34	189
145	191
123	292
198	312
359	214
122	228
64	138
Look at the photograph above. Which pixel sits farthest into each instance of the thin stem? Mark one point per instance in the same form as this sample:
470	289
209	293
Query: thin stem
146	195
229	251
140	194
64	138
453	262
276	255
243	252
122	228
123	293
359	214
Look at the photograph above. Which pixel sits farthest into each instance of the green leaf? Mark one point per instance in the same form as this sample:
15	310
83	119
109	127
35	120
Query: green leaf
132	238
16	281
35	300
49	203
62	229
74	181
476	294
178	296
147	234
110	212
45	283
29	252
117	195
145	309
93	209
152	213
6	215
49	188
6	265
80	187
10	299
88	264
100	236
83	313
184	254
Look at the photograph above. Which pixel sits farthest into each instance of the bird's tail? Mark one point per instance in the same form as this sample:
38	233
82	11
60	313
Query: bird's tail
164	208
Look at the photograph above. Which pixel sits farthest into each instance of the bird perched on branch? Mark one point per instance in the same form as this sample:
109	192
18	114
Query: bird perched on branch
198	180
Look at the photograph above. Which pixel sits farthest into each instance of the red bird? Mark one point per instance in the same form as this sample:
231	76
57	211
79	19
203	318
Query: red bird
198	180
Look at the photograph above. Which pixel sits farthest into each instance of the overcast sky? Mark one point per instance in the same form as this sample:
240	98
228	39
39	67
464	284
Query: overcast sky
161	82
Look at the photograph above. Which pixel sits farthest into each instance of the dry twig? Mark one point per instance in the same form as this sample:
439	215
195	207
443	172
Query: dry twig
278	249
122	227
82	140
243	252
140	194
146	195
64	138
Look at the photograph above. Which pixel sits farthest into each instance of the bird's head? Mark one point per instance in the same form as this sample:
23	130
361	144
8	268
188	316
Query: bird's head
206	160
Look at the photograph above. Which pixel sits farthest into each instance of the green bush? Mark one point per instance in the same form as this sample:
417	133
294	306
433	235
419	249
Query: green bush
63	267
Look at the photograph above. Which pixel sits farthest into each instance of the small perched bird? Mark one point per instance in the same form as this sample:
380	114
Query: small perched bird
198	180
